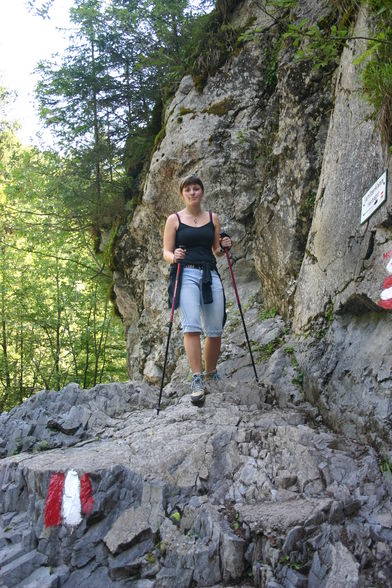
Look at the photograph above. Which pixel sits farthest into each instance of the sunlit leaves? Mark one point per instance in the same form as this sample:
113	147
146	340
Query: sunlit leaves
56	320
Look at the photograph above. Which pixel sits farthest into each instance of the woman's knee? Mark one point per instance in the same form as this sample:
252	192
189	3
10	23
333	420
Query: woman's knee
192	335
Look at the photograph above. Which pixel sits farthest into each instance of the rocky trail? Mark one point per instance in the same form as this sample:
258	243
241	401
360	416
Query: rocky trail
250	490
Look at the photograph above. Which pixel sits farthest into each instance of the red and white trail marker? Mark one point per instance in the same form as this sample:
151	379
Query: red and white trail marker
68	498
386	294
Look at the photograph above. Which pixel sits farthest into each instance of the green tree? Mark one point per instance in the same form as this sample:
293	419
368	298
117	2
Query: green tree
51	282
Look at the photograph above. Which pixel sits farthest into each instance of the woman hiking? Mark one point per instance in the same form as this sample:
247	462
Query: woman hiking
192	238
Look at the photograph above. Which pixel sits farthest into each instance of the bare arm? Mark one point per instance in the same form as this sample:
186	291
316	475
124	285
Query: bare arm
218	242
170	254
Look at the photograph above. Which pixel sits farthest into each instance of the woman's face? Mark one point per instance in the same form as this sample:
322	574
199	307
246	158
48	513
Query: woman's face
192	194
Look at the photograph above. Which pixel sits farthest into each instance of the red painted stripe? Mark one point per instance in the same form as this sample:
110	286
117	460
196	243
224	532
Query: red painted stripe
52	516
387	283
387	304
86	494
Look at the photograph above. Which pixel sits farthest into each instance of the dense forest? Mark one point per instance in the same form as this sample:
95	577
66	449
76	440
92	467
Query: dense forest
104	99
56	318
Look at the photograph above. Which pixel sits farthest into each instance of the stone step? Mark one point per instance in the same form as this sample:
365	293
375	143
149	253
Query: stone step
18	569
11	552
6	518
19	518
13	535
45	577
14	529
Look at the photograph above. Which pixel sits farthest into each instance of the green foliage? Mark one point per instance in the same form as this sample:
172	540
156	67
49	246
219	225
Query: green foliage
242	136
307	206
43	445
183	111
137	151
104	98
18	447
385	465
267	313
286	561
55	315
175	517
109	250
150	558
329	313
212	41
298	379
221	107
377	71
271	59
282	4
264	352
236	523
159	138
321	43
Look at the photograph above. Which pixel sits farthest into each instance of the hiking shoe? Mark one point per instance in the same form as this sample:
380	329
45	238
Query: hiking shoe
197	388
212	377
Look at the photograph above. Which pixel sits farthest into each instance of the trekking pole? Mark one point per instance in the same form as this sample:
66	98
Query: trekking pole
170	330
226	250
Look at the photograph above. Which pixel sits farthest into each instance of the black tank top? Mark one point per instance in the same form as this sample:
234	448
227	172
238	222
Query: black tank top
197	241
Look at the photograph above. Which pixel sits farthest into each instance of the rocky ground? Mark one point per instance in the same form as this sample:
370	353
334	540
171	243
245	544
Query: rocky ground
251	489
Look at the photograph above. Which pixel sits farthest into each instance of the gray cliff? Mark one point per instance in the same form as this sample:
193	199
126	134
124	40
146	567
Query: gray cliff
283	483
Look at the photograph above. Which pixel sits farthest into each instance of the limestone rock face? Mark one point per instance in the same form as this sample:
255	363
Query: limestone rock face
348	371
255	135
347	375
343	263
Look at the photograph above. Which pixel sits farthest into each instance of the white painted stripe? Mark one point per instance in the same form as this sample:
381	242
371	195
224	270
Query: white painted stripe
71	506
386	294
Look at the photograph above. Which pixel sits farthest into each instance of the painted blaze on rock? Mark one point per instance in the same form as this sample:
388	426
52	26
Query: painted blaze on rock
386	294
68	498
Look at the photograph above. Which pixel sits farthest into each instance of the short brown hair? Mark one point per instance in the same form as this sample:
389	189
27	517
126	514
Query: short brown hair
191	180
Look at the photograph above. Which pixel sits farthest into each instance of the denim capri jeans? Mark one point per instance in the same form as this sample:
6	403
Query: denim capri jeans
192	307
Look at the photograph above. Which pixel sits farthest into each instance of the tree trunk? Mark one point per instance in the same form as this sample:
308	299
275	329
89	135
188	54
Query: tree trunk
96	123
86	364
21	368
58	328
7	374
99	348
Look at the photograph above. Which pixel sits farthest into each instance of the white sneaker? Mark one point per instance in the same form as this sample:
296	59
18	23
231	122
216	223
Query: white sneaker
197	388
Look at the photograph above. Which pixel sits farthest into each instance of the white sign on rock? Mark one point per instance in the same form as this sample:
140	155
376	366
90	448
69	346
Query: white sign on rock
374	197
